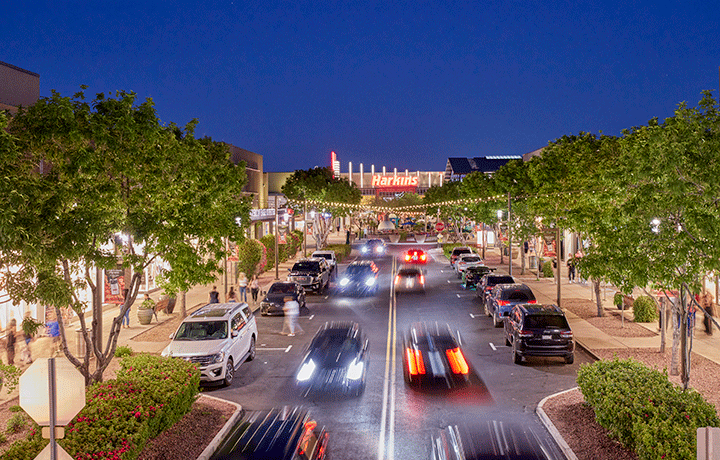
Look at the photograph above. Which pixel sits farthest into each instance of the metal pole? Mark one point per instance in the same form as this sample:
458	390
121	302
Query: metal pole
509	238
305	228
557	259
277	274
97	311
53	408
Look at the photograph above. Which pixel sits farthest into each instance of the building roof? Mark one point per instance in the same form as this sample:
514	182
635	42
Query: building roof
460	167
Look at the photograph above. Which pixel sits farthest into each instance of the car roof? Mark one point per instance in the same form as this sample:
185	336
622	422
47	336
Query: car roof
350	328
422	330
216	311
512	286
323	252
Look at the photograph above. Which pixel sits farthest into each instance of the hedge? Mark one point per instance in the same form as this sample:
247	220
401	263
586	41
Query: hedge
645	310
643	410
150	394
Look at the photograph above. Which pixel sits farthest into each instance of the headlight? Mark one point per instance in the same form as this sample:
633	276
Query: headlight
306	371
379	249
344	282
218	358
369	281
355	371
364	249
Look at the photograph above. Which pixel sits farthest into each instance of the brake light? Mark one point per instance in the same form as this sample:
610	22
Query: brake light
525	334
423	257
566	335
531	301
422	279
458	364
407	257
502	303
415	362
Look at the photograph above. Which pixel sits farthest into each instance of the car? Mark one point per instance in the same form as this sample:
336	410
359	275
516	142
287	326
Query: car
218	338
489	440
283	433
466	260
472	276
360	278
312	273
410	279
274	300
539	330
433	357
331	260
415	256
335	362
373	247
457	252
488	282
503	297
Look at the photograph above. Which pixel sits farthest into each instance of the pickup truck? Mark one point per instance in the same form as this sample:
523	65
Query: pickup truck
312	273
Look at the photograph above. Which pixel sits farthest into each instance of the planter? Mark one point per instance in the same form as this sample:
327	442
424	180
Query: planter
394	238
145	315
420	237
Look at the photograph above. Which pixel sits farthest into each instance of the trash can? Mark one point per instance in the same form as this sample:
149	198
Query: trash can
80	340
533	262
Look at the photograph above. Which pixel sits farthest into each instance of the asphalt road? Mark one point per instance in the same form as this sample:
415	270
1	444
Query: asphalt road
391	420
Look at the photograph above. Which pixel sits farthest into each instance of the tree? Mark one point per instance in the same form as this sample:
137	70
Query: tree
330	196
78	174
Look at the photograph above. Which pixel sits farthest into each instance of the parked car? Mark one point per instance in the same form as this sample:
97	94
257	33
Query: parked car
472	276
415	256
373	247
331	260
433	357
539	330
274	300
360	278
465	261
218	338
312	273
410	279
503	297
286	433
335	362
488	282
457	252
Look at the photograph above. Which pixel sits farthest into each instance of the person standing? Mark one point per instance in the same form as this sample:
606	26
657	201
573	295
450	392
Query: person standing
232	296
254	288
10	341
706	302
126	318
242	287
53	330
292	311
571	271
214	295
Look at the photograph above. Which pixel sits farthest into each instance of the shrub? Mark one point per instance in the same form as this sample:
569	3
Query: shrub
645	310
16	408
16	423
641	408
341	250
250	253
122	351
547	269
269	242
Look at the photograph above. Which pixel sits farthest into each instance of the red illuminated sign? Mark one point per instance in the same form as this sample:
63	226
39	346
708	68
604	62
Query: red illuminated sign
394	181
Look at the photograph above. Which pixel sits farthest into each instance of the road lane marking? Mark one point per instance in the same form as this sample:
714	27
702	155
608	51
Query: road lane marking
311	317
493	346
458	295
263	348
472	316
387	387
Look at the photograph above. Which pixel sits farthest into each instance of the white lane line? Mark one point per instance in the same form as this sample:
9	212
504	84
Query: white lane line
276	349
458	295
472	316
311	317
449	281
493	346
288	348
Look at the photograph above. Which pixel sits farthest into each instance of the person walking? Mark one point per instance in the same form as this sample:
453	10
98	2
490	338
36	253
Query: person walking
53	331
10	341
291	308
214	295
571	271
126	319
707	303
232	296
242	287
254	288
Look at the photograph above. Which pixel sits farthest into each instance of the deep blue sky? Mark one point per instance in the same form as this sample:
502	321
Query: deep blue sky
399	84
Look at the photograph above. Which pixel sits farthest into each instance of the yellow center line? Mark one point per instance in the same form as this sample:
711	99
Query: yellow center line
387	387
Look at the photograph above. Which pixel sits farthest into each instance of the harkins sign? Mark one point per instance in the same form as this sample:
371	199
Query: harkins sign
394	181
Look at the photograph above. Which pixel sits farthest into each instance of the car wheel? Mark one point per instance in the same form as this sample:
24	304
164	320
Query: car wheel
570	359
517	359
229	372
497	322
252	349
487	312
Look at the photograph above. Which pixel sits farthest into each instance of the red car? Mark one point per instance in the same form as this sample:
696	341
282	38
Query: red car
415	256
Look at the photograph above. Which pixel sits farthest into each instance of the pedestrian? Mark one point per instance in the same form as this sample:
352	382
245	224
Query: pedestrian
53	330
707	303
232	296
291	309
126	318
149	303
571	271
10	341
347	237
242	286
254	288
214	295
26	354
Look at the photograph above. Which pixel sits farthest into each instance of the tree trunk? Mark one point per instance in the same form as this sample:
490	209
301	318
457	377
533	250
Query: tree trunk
183	309
598	301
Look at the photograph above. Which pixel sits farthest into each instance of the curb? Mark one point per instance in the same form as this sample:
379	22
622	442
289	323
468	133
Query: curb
567	451
215	443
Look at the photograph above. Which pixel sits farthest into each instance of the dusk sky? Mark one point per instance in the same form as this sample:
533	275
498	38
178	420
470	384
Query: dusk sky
398	84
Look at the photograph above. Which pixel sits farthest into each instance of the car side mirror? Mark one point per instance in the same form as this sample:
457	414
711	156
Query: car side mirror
172	336
234	334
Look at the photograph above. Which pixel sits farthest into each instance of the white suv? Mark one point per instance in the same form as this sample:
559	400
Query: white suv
331	260
218	338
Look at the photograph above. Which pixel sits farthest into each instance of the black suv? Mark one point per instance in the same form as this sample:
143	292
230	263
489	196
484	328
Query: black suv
312	273
505	296
360	277
488	282
473	275
539	330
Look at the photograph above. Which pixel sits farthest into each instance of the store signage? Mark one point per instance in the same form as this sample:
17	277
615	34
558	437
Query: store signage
379	180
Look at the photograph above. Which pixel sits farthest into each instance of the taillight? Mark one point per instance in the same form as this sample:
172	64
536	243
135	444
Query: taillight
397	279
423	257
415	362
307	434
407	257
566	334
422	279
525	334
502	303
457	361
531	301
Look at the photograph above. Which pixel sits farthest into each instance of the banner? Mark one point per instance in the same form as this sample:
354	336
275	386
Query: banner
114	286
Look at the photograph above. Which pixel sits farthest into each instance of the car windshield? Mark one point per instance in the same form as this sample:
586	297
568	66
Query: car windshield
500	280
306	267
278	288
546	321
202	330
457	252
357	270
324	256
